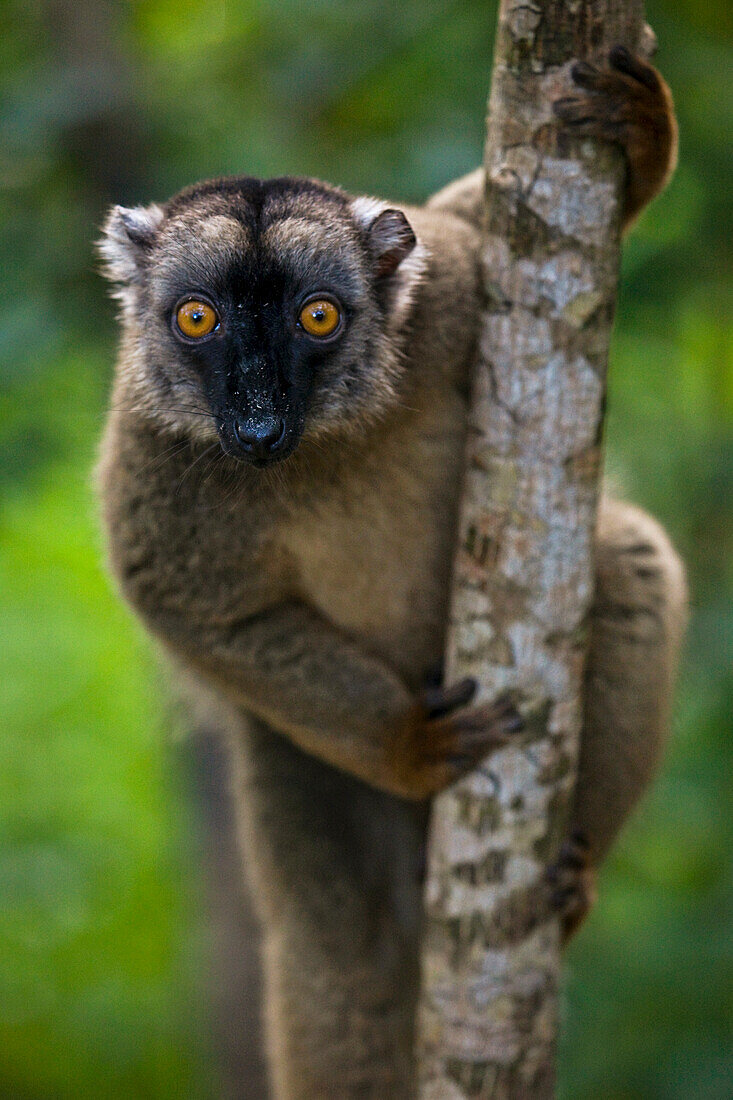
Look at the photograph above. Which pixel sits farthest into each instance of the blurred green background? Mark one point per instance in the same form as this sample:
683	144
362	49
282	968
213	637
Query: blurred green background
102	914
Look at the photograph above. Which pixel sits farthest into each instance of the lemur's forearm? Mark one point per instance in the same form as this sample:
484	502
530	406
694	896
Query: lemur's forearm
307	680
332	699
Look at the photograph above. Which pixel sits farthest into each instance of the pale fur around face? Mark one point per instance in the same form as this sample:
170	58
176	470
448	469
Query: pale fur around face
411	270
128	232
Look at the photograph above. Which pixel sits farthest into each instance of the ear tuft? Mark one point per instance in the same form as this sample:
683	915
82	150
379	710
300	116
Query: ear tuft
390	235
129	233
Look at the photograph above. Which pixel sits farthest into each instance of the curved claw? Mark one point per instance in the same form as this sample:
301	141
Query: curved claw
573	110
624	61
439	701
585	75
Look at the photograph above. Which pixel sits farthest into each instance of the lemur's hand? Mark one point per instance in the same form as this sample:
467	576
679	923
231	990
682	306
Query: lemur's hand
442	738
629	104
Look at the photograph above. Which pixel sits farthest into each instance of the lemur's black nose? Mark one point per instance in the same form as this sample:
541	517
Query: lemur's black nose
260	438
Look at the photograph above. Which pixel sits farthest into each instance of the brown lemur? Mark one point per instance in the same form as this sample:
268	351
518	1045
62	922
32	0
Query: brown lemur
280	474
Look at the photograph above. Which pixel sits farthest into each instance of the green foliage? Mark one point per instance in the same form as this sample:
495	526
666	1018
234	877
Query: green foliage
97	927
101	920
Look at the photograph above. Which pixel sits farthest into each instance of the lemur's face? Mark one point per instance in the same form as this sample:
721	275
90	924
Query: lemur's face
259	313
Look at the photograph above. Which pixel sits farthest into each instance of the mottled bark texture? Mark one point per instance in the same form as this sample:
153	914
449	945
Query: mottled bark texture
523	570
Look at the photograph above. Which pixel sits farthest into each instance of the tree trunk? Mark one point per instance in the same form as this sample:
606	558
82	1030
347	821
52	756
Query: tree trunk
523	571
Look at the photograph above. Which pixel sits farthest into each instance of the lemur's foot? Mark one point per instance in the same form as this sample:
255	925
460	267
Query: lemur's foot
572	883
628	104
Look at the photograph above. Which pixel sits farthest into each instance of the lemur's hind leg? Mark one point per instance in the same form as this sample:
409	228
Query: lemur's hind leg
637	623
336	880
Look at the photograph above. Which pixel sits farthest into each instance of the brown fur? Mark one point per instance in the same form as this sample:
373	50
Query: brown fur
305	602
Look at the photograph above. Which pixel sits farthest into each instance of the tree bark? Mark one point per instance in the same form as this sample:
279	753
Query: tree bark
523	576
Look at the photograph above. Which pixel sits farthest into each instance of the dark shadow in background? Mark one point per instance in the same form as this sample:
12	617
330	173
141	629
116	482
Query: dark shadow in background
235	980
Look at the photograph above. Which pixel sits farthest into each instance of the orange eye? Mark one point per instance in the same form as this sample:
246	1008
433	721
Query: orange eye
320	317
196	319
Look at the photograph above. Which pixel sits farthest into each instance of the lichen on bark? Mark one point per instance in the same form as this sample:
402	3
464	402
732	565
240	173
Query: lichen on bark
523	571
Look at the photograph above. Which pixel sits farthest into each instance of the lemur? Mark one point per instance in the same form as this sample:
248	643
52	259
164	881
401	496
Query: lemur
279	474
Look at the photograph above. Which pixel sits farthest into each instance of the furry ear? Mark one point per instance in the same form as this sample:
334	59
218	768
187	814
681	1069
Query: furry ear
390	235
128	235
